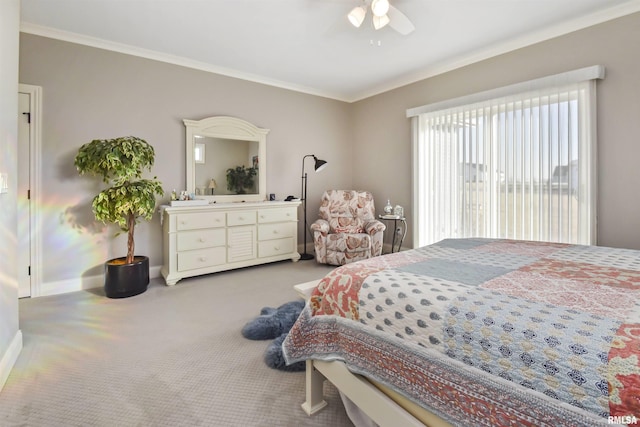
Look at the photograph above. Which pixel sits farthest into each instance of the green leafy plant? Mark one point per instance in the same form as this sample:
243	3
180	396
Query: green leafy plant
120	163
240	178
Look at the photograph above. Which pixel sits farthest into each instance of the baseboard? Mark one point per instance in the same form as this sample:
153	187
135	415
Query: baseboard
9	358
80	284
386	248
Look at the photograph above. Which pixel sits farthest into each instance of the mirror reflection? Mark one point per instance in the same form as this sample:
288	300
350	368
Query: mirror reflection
226	166
226	160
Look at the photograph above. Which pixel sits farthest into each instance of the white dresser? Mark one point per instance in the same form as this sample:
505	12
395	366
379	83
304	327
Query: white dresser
222	236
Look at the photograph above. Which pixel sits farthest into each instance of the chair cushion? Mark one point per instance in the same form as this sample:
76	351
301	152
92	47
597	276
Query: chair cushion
346	206
346	224
346	242
348	229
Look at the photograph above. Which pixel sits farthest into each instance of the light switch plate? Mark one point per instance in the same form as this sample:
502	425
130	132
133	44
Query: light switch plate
4	183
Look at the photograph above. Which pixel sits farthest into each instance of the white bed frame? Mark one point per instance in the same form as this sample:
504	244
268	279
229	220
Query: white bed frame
368	398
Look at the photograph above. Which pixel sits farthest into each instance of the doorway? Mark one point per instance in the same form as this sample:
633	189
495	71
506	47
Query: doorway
29	140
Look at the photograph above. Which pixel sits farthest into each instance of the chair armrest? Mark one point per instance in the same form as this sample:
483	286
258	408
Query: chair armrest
374	226
321	226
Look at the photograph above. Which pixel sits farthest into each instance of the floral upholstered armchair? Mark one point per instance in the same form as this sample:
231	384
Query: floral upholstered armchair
347	229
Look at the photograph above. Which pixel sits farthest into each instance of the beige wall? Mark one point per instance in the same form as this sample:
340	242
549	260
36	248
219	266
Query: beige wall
92	93
382	132
10	338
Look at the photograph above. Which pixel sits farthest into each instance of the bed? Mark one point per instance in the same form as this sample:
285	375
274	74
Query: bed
479	332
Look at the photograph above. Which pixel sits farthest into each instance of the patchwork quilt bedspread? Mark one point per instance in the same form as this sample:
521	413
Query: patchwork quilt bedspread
487	331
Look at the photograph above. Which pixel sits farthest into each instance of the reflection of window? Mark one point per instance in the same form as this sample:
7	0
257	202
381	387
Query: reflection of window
512	163
198	153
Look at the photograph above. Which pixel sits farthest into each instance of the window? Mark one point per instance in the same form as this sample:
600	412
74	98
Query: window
516	162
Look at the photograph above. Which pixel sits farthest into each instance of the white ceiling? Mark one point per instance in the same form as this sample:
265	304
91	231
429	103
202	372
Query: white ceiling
308	45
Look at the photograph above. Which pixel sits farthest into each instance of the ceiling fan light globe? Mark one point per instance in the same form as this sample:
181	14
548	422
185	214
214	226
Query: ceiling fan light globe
356	16
380	21
380	7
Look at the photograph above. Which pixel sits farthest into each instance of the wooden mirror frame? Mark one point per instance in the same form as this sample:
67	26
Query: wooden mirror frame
226	128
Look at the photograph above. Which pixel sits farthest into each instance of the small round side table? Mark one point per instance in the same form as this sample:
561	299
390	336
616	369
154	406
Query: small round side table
396	230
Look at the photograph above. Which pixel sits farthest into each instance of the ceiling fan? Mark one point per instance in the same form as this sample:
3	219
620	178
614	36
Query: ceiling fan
383	14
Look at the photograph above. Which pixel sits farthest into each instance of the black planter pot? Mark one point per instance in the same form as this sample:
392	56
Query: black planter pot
126	280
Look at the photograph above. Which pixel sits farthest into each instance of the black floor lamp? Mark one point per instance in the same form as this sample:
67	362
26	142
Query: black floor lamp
319	165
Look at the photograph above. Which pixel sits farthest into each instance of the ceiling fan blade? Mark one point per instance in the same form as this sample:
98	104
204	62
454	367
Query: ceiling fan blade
399	21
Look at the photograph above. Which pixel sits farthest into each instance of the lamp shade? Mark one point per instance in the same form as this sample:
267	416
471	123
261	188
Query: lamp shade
356	16
380	7
380	21
320	164
212	184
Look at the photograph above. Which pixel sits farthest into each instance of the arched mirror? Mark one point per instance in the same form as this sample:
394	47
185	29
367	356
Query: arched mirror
226	159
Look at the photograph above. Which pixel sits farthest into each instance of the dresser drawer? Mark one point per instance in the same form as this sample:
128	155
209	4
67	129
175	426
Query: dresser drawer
188	240
202	258
241	218
193	221
276	247
277	215
276	231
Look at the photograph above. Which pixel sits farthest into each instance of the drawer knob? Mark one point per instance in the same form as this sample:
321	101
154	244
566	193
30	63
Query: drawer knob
202	239
275	231
202	259
277	248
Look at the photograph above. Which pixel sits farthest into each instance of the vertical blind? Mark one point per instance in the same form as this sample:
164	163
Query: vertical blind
517	166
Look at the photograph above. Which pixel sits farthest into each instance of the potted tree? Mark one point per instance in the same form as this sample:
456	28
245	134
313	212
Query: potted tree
240	178
129	198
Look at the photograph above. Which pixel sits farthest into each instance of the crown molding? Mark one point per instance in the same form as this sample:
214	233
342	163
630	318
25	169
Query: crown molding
67	36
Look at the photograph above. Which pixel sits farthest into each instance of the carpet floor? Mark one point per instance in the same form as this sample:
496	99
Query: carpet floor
172	356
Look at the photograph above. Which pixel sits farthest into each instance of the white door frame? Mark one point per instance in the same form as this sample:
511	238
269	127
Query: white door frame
35	171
